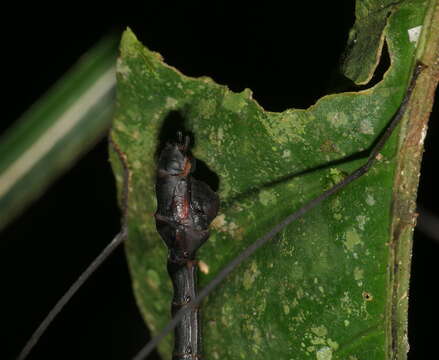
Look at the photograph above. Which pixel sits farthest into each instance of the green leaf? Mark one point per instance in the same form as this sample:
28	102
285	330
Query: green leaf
55	131
366	40
328	287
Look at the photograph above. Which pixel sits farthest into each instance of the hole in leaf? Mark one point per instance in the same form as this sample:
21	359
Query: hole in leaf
174	123
380	70
367	296
382	67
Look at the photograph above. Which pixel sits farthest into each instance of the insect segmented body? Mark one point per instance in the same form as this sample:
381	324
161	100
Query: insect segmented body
185	208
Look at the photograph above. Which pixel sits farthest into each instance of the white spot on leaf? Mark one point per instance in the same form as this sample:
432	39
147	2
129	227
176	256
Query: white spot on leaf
324	353
414	33
361	221
370	200
204	268
267	197
171	102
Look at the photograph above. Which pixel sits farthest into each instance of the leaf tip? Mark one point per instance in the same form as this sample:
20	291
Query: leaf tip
129	42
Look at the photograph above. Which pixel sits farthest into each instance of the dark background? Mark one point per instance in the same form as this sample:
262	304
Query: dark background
286	55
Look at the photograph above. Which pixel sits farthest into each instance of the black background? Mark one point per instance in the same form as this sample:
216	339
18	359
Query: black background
286	55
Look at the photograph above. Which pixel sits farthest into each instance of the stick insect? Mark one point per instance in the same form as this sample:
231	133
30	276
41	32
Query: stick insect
179	315
186	207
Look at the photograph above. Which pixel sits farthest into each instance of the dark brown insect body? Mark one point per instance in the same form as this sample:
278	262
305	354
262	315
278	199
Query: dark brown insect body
185	208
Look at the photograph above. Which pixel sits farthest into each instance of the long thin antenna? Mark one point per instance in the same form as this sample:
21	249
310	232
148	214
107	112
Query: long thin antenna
151	345
108	250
